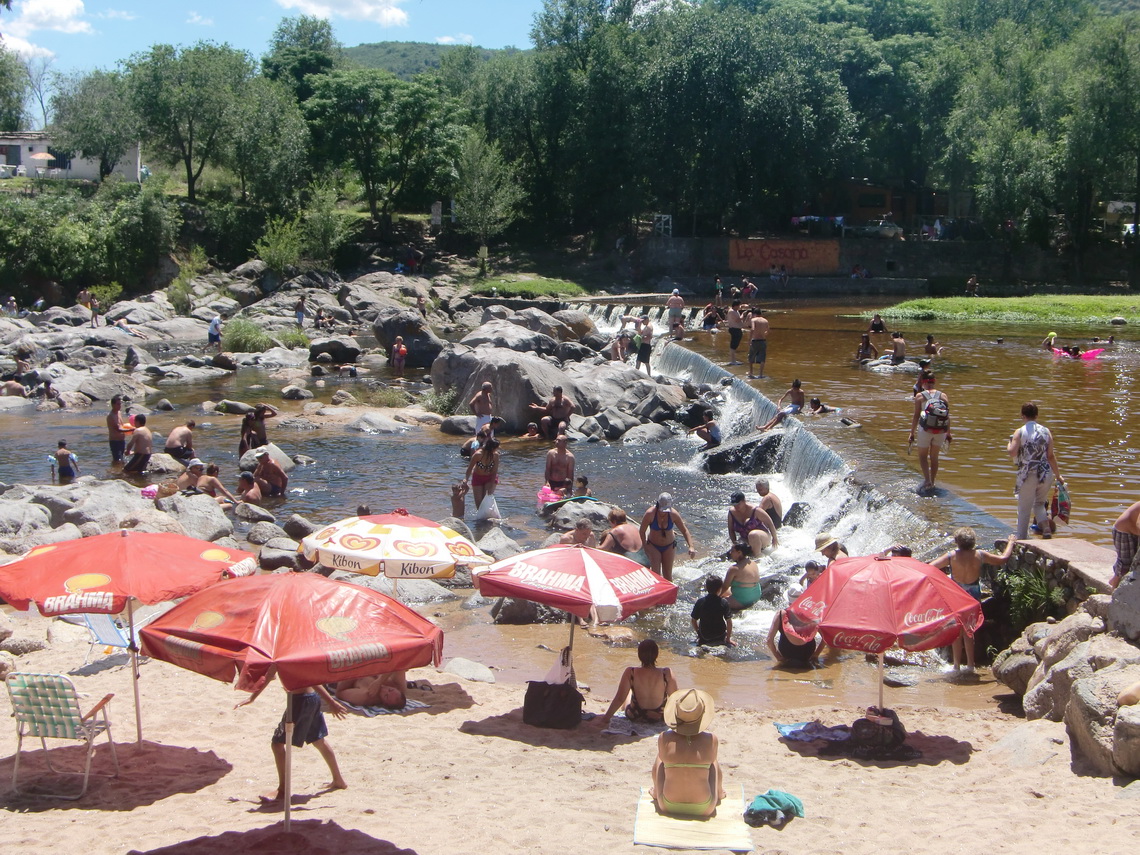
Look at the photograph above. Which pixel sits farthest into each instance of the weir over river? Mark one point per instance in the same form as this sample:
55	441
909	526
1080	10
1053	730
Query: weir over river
859	482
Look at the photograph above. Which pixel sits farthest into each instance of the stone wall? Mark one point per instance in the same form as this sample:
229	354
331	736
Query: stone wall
1078	568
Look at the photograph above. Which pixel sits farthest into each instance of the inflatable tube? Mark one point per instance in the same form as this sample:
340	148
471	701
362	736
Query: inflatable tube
1088	354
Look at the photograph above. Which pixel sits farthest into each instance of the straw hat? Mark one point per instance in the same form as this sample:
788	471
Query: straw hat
689	711
822	541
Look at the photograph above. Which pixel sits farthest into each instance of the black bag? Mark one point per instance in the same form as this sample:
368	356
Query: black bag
884	737
557	705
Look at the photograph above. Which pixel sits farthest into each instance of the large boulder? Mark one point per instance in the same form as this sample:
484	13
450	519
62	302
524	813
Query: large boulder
263	532
615	422
18	518
152	520
578	321
1091	714
611	384
1066	635
1050	696
298	527
376	423
1124	610
248	461
540	322
1015	665
511	336
662	402
363	301
750	455
1126	740
645	434
199	515
496	544
340	348
410	590
422	343
566	516
105	503
279	553
104	387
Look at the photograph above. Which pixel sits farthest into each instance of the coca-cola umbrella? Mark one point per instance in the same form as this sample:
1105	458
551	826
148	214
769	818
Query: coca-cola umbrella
398	545
579	580
871	603
107	573
301	627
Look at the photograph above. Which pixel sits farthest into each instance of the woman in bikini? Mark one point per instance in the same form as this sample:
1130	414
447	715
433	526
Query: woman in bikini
750	524
686	775
965	567
649	685
658	537
867	349
742	582
483	470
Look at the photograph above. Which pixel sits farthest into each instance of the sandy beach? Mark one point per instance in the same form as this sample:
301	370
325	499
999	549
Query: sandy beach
466	775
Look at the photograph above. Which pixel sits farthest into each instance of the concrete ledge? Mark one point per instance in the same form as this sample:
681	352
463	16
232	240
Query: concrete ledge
1076	559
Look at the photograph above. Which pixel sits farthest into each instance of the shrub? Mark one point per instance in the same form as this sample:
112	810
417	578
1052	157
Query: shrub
1030	597
292	337
242	336
179	290
443	402
106	294
281	245
325	228
385	396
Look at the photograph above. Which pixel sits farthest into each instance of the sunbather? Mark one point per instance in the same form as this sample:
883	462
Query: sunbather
377	690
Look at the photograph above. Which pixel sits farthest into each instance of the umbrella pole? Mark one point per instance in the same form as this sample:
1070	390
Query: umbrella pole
134	650
880	684
288	782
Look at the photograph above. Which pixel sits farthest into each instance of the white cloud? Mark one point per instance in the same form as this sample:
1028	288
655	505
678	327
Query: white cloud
385	12
117	14
198	20
457	39
64	16
22	47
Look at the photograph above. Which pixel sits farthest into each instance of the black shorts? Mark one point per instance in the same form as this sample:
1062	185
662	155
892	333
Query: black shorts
308	721
758	350
137	463
734	336
118	449
643	352
213	338
795	654
181	453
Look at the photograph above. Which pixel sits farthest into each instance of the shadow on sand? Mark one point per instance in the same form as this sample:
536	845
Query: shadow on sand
919	749
510	726
149	773
306	837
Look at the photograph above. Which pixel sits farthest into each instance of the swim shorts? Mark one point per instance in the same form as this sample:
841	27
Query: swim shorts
734	336
758	350
1125	543
308	721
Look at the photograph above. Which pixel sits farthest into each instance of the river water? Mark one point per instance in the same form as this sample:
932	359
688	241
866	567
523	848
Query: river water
1084	403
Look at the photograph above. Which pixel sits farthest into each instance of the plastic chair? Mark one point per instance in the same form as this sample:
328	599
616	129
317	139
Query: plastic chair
105	632
47	705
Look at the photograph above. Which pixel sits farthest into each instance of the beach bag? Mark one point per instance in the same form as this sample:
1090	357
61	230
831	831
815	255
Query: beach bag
1061	505
555	705
936	415
488	509
868	734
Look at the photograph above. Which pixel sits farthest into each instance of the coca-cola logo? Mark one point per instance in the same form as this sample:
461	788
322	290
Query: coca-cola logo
811	607
856	641
928	616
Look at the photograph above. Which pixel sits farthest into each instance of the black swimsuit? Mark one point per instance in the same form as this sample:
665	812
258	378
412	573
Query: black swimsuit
635	712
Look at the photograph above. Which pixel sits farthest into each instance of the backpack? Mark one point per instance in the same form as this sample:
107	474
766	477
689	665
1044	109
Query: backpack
936	414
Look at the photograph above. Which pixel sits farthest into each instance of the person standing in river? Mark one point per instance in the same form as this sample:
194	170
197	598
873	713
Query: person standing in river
931	420
734	320
117	430
644	329
758	346
253	428
559	473
1031	447
659	538
482	406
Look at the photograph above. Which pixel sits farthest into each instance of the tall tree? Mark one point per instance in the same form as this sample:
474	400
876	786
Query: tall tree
186	99
268	145
41	83
486	192
95	117
301	46
398	135
13	91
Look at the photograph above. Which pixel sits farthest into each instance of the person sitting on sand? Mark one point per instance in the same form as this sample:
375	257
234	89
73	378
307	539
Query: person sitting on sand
271	478
211	485
580	535
789	649
248	489
646	686
795	398
308	728
623	538
377	690
708	430
711	616
742	581
188	480
964	565
687	779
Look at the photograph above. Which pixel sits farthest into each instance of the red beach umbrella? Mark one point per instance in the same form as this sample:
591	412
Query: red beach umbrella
308	629
871	603
106	573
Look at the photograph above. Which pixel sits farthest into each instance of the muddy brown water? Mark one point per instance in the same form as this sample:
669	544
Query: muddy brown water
1087	405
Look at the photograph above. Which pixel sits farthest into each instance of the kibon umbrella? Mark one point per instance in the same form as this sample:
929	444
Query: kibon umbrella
305	629
871	603
398	545
579	580
108	573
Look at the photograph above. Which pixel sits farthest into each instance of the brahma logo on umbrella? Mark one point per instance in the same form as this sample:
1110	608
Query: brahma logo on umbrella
340	627
78	597
540	577
183	649
635	582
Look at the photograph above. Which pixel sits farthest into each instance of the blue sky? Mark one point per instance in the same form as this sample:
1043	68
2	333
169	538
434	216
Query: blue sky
87	34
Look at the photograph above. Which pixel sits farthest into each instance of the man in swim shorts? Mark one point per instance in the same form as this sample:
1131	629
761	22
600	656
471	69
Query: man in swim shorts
795	398
734	320
1126	538
482	406
270	477
117	430
676	306
560	466
140	446
758	347
555	411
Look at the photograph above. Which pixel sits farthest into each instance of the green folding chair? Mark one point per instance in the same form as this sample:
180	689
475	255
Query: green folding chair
47	706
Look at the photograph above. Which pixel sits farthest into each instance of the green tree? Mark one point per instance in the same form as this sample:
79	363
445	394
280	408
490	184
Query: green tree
186	99
267	146
486	195
95	117
397	135
301	46
13	91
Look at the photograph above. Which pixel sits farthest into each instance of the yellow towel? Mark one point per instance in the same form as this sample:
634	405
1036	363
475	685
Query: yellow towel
726	830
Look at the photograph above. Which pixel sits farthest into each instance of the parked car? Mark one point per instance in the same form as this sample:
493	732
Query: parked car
876	228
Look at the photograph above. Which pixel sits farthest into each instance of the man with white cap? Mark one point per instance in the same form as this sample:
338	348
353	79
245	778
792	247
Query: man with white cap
270	477
687	779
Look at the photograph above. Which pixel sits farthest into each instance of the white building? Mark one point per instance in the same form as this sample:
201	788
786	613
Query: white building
23	154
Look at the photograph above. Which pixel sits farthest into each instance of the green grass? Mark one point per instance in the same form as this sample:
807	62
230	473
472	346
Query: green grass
385	396
527	287
292	337
242	336
444	403
1039	309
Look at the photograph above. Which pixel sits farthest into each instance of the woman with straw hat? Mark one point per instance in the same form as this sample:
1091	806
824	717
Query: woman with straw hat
686	774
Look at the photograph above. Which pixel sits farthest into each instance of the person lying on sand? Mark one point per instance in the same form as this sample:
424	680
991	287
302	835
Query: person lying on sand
376	690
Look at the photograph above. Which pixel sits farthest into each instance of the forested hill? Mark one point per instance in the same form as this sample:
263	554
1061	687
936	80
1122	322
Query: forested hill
405	59
1118	7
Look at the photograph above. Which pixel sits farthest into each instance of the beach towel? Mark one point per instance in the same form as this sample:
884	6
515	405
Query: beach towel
370	712
773	808
809	731
726	830
621	726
